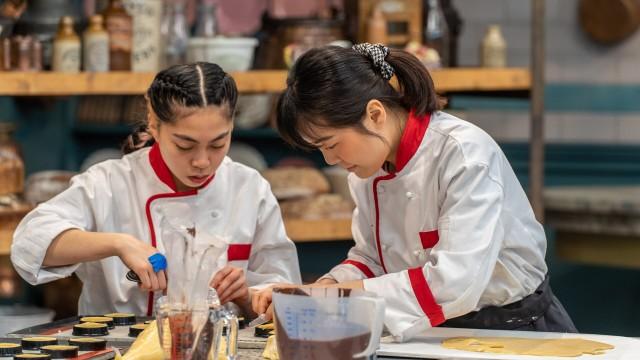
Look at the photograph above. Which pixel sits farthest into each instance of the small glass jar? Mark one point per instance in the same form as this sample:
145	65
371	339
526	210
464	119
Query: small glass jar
21	53
11	165
5	54
36	55
7	143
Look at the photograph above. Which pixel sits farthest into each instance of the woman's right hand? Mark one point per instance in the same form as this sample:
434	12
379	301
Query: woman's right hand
135	255
261	299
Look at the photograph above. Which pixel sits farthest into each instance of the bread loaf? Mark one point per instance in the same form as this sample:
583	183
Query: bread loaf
324	206
294	182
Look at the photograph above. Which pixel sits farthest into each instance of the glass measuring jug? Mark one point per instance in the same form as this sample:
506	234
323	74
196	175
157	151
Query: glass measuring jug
327	323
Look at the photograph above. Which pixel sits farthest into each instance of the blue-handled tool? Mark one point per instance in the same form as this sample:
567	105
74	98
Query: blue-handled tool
158	262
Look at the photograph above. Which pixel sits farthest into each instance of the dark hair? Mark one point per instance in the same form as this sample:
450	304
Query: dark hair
331	86
180	87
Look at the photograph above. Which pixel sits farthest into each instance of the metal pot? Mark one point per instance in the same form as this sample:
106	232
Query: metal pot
282	32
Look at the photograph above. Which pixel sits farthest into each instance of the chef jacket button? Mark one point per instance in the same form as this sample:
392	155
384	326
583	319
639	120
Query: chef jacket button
385	247
410	195
215	214
417	252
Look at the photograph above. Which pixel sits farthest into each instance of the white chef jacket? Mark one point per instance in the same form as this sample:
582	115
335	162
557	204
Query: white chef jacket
124	195
449	232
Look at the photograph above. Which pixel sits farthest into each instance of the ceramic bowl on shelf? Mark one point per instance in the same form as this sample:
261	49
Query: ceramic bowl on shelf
99	156
247	155
253	110
44	185
231	53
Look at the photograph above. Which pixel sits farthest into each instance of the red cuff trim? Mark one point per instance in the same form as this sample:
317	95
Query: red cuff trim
429	239
425	298
238	252
362	267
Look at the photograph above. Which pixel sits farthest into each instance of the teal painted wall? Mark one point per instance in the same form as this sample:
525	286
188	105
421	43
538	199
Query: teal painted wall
564	97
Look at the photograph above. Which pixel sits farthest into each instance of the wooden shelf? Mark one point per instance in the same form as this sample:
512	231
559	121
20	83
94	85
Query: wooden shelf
298	230
127	83
318	230
481	79
116	83
6	236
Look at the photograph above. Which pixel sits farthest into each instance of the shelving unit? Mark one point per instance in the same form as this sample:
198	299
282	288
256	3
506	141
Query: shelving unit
126	83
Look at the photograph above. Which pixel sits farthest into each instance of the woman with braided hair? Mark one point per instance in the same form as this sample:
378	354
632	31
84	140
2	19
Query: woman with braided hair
107	222
443	229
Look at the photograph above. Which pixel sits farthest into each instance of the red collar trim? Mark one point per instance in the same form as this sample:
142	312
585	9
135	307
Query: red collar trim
411	139
162	170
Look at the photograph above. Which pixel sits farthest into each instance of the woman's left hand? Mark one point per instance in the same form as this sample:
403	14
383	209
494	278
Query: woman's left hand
231	284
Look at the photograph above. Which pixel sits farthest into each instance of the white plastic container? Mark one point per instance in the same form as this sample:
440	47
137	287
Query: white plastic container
231	53
13	318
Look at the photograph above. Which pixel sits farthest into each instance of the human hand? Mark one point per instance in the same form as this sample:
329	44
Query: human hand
135	255
230	284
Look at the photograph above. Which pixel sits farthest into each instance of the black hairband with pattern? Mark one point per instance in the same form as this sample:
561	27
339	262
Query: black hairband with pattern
377	53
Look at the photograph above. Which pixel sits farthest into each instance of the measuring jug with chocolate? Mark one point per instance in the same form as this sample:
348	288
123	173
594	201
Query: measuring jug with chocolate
327	323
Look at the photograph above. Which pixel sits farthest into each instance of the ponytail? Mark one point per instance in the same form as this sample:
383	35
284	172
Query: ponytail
137	140
331	87
415	83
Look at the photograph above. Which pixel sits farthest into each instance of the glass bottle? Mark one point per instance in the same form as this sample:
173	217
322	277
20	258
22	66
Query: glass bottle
177	34
7	142
493	49
21	53
96	46
437	32
119	25
66	47
201	46
36	55
377	27
11	164
5	54
207	25
147	16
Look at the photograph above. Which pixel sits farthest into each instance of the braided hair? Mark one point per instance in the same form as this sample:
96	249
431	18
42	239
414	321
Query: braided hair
180	87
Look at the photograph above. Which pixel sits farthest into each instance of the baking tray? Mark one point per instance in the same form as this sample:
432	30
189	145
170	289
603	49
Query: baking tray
119	337
62	329
106	354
